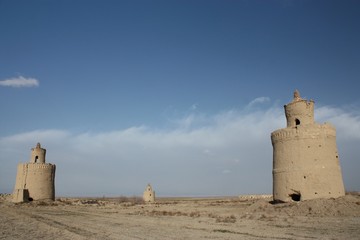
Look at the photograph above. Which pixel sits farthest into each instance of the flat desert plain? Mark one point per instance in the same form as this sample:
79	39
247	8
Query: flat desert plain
181	218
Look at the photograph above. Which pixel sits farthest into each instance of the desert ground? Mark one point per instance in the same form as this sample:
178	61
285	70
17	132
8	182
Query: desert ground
180	218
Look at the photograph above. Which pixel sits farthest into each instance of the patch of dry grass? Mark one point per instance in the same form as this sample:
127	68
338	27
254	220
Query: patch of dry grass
223	219
193	214
130	200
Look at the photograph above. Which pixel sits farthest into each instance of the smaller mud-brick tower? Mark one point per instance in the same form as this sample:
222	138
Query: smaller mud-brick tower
305	157
35	180
149	194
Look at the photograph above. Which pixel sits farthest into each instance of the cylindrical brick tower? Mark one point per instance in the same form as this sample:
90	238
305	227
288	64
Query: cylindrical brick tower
305	158
35	180
149	194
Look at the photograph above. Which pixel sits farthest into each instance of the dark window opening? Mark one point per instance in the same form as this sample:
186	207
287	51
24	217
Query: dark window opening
295	197
297	121
36	158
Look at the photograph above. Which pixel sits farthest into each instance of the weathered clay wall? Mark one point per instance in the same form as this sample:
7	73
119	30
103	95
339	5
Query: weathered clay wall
38	179
306	162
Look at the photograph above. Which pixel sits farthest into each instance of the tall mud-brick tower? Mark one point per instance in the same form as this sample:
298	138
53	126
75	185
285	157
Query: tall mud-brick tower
35	180
149	194
305	157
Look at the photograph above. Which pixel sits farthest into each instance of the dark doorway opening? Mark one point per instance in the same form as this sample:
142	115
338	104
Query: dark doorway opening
295	197
297	121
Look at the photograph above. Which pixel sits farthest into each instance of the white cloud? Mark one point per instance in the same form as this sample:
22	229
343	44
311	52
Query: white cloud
259	100
41	135
20	82
220	156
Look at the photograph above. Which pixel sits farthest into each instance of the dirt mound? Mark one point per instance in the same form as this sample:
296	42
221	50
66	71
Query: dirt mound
348	205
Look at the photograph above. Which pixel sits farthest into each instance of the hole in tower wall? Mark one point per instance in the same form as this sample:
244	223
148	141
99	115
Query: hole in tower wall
36	158
295	197
30	199
297	121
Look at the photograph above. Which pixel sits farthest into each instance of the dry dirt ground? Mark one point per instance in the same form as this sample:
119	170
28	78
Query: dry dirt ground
181	218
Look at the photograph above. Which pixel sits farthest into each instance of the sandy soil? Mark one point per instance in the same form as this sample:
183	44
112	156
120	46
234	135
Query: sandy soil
182	218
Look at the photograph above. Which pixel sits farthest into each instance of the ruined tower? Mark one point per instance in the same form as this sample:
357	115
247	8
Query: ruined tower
35	180
305	157
149	194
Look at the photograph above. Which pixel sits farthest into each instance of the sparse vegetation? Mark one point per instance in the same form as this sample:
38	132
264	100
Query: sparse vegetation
223	219
127	201
64	201
194	214
173	213
223	231
46	203
130	200
90	201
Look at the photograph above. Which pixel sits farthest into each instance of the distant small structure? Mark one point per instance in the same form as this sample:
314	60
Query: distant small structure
35	180
149	194
255	196
305	157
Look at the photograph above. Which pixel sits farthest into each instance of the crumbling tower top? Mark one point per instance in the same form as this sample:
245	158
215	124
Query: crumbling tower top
299	111
38	154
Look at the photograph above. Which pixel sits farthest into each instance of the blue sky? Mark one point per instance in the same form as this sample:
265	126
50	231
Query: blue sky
181	94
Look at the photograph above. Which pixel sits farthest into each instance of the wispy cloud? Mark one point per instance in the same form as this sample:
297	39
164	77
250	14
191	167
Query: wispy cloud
20	82
259	100
194	106
227	153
